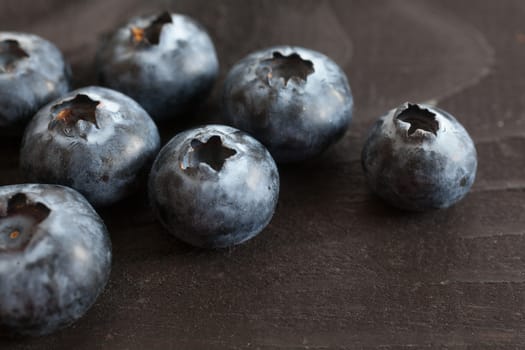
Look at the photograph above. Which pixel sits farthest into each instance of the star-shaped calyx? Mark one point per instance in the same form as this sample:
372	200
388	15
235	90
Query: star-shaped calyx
288	67
150	35
211	152
10	54
19	222
419	118
66	114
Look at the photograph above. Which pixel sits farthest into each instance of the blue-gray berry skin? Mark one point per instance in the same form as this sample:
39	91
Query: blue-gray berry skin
32	73
294	100
418	157
55	258
96	140
214	186
166	62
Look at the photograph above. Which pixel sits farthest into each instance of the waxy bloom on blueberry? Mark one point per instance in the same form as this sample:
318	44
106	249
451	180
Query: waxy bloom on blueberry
32	73
419	157
296	101
96	140
55	258
166	62
214	186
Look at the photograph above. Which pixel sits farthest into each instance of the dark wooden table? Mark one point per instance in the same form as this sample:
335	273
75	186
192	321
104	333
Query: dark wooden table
336	268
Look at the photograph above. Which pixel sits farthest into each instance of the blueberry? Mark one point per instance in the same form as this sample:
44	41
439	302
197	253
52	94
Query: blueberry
166	62
94	139
214	186
55	258
295	101
419	157
32	73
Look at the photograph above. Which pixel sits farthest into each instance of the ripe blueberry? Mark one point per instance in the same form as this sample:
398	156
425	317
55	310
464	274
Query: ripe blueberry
55	258
32	73
167	63
214	186
94	139
419	157
295	101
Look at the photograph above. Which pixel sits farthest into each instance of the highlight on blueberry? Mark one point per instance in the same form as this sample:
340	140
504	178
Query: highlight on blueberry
96	140
419	157
294	100
32	73
166	62
55	258
214	186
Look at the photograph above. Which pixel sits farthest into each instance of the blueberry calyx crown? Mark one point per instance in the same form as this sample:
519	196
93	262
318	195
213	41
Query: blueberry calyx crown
211	152
10	53
19	222
419	119
66	114
150	35
288	67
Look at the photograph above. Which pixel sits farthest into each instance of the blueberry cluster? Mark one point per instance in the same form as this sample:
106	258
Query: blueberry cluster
212	186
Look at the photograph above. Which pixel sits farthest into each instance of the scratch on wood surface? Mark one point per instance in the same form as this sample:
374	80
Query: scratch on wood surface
402	338
498	234
487	277
492	186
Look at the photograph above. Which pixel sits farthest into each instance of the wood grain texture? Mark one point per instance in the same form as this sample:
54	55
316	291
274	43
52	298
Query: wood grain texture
336	268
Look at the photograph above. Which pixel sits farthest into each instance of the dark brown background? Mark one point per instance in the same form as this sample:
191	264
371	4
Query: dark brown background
336	268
